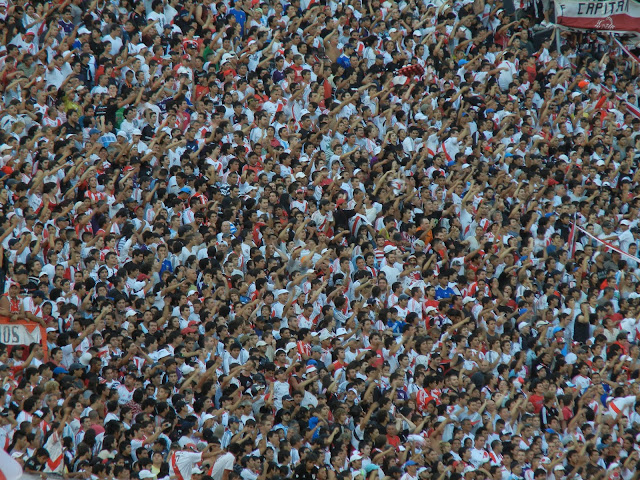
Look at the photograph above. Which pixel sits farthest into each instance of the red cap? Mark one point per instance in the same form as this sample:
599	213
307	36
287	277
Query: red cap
340	202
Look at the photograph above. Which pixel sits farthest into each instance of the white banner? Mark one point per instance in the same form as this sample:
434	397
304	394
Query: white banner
19	334
10	469
607	15
55	463
608	245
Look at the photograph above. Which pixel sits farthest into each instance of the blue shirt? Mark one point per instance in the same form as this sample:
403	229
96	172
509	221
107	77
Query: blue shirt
107	139
396	326
343	61
444	292
241	18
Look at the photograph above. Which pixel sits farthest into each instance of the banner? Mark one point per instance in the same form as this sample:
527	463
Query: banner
606	244
19	333
10	469
23	332
626	50
612	16
55	463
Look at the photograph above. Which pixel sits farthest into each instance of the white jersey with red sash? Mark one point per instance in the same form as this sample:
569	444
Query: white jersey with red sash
620	406
181	464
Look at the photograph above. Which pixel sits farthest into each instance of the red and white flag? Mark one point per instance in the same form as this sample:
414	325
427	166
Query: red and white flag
572	239
55	463
10	469
404	75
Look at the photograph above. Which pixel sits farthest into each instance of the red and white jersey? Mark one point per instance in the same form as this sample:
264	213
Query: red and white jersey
303	206
30	306
125	394
272	108
479	456
51	122
620	406
392	301
304	322
181	464
495	459
422	399
402	312
188	217
321	220
95	197
304	348
415	306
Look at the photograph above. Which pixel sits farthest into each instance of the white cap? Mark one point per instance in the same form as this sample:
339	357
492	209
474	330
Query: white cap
324	335
389	248
226	57
207	416
85	358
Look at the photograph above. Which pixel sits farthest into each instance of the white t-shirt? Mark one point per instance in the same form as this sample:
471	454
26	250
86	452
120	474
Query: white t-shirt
225	462
280	389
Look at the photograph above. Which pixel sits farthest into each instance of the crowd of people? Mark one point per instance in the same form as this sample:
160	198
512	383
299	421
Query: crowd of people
358	240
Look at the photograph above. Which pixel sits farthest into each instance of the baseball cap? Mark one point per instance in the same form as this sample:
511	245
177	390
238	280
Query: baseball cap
355	456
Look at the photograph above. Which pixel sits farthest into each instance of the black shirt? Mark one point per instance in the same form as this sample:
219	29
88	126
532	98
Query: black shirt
301	472
341	218
33	465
